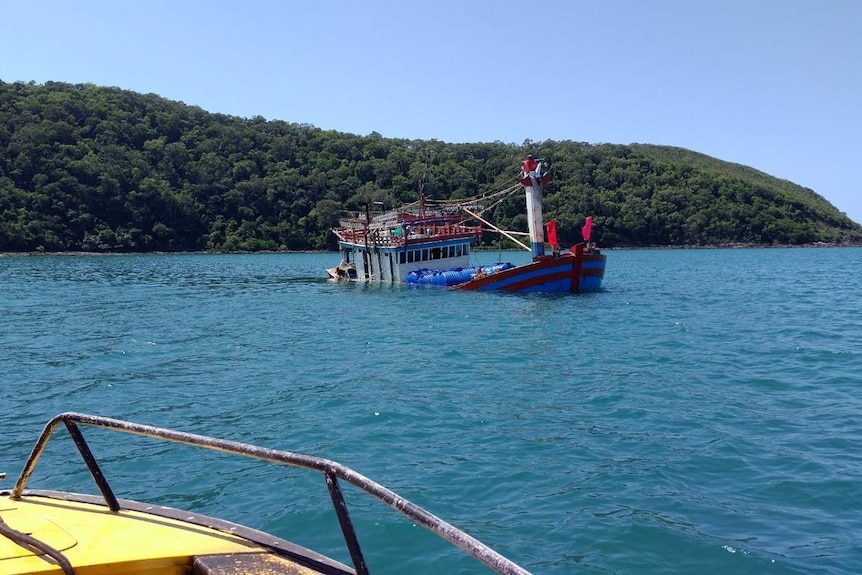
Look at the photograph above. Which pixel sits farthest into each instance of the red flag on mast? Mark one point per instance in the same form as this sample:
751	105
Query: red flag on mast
551	226
587	230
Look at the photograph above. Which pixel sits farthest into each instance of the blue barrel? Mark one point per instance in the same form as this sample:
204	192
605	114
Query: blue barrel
451	276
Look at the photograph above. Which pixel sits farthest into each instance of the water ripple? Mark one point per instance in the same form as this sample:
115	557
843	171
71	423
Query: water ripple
699	414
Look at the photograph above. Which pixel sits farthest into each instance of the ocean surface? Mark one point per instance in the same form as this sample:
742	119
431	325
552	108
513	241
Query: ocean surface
700	414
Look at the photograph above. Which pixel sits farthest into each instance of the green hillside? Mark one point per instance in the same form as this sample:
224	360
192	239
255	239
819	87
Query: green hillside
88	168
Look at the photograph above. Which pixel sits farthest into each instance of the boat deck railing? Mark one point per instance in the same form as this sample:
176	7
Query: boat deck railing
332	472
381	237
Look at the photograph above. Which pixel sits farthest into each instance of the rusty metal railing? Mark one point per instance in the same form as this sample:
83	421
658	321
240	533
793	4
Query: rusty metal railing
332	471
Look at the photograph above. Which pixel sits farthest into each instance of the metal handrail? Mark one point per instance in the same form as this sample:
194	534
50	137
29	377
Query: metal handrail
332	470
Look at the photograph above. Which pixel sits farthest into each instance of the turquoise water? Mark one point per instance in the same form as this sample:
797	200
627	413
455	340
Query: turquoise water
701	414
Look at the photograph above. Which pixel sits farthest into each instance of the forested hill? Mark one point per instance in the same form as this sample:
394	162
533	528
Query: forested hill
90	168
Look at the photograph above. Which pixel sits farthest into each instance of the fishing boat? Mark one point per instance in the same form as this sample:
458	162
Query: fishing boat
56	532
429	243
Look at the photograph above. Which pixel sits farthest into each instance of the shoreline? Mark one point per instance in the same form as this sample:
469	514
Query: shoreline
613	248
158	253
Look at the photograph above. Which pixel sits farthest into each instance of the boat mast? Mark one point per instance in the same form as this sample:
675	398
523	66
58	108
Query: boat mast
422	189
532	179
366	256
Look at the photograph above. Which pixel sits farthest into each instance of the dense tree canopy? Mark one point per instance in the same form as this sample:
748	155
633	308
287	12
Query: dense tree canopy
103	169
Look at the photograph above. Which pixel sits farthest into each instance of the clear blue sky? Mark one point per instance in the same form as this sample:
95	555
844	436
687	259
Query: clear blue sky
772	84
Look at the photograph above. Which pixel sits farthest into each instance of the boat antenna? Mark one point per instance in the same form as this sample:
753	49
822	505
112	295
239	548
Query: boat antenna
422	196
422	188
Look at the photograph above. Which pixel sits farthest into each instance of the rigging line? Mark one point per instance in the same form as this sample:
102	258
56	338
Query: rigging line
494	205
478	198
496	229
33	544
497	203
506	192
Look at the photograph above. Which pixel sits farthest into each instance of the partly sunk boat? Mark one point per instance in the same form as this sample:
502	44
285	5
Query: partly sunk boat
53	532
429	243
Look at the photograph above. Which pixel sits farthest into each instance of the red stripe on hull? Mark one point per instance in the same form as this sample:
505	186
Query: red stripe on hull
573	270
543	279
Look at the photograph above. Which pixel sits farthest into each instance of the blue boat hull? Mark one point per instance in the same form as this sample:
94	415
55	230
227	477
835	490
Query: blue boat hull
569	272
